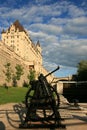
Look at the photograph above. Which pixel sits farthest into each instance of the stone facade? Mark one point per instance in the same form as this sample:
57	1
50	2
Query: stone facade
16	47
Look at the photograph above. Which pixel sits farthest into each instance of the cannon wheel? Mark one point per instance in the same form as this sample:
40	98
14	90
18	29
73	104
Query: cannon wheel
43	112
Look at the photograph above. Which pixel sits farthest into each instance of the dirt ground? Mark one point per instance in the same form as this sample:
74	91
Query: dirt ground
12	114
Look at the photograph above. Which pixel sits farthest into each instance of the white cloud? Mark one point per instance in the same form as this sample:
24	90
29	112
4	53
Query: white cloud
68	52
47	28
80	21
46	40
76	26
76	30
75	11
58	21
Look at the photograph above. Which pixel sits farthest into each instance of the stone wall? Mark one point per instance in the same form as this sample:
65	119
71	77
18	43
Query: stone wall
8	56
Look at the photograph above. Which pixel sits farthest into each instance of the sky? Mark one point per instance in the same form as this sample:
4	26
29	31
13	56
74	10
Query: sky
59	25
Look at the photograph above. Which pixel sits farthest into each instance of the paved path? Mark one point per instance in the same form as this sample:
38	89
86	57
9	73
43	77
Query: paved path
11	115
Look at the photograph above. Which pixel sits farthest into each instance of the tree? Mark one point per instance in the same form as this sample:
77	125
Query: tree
82	70
8	72
31	75
19	72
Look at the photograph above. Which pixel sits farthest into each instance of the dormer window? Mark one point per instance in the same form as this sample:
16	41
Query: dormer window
12	29
17	29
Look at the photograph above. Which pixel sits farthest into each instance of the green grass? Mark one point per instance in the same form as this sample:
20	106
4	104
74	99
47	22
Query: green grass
12	95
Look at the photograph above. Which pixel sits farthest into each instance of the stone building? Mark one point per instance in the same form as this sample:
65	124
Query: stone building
17	47
17	38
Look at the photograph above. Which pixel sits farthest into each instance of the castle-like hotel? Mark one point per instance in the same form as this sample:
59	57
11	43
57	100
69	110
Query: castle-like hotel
17	38
17	47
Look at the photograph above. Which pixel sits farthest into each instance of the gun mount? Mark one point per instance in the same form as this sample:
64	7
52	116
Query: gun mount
42	102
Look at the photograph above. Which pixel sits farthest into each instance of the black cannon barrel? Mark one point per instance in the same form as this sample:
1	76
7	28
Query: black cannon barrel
52	71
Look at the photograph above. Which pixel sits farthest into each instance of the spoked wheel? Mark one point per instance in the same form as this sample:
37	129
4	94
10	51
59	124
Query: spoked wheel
29	97
56	97
42	106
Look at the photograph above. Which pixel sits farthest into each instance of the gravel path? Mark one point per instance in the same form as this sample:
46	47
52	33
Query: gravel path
12	114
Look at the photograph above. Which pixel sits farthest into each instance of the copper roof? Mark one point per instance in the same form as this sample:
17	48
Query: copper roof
18	26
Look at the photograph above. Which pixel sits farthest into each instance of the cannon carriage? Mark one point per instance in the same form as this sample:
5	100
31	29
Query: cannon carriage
42	102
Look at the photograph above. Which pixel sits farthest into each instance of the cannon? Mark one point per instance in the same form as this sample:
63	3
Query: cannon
42	102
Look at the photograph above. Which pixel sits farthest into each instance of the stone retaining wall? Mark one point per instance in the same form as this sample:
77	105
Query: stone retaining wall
8	56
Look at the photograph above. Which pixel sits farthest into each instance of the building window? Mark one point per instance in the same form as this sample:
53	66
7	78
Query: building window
31	67
12	41
17	36
12	36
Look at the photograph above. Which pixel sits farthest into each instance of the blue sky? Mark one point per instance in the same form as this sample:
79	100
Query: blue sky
59	25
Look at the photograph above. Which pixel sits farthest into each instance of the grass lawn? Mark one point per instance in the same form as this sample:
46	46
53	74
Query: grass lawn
12	95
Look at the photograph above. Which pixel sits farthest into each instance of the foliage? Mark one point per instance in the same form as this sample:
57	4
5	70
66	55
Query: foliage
82	70
14	80
31	75
19	71
8	72
13	76
25	84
